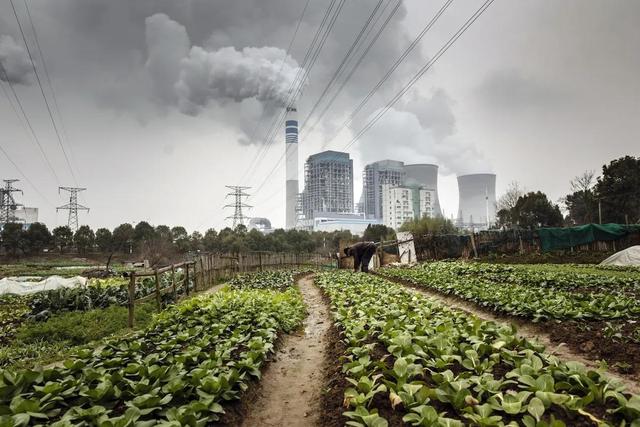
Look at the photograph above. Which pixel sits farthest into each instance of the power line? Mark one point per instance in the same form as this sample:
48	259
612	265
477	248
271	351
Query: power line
257	126
310	130
46	102
26	118
26	178
342	64
422	71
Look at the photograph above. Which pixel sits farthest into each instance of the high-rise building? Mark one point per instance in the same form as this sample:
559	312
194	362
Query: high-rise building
401	204
374	177
396	173
328	184
291	156
477	200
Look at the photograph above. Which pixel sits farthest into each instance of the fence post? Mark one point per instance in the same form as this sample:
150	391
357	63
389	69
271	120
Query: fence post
173	283
158	299
260	261
132	296
186	278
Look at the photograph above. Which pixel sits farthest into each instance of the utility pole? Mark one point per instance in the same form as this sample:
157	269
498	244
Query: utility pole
73	207
7	202
599	211
237	192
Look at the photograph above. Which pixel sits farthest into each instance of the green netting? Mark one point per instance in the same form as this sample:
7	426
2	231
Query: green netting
562	238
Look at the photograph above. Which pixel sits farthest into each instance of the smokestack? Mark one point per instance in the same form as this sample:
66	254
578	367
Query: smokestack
291	144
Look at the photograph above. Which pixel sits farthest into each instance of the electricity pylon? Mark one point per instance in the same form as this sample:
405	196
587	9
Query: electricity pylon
7	202
237	193
73	207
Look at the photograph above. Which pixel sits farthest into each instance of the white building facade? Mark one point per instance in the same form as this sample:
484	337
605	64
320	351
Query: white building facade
402	204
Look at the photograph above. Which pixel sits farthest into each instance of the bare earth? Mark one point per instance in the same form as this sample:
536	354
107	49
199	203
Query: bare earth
291	386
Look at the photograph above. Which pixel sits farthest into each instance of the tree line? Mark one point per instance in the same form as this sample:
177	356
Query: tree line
612	197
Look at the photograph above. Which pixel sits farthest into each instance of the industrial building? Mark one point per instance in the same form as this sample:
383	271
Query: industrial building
327	221
403	203
263	225
328	184
477	201
396	173
291	158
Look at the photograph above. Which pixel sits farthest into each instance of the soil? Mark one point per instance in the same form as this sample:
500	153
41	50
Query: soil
291	386
562	339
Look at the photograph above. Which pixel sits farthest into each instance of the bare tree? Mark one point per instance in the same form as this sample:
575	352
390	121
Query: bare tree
584	182
509	199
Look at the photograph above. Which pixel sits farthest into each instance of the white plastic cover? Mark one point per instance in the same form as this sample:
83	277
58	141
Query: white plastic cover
629	256
19	286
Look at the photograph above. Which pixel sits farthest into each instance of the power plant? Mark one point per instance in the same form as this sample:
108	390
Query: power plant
477	200
291	158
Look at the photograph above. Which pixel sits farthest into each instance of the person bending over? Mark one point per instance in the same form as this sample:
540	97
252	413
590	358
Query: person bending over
361	253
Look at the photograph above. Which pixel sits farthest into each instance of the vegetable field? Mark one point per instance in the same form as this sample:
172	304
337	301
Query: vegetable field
335	348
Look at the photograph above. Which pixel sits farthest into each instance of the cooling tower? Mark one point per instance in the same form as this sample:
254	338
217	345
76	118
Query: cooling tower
477	200
424	175
291	155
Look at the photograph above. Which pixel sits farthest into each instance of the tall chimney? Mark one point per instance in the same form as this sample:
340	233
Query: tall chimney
291	144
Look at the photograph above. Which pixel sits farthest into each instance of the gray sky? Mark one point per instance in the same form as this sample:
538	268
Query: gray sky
160	99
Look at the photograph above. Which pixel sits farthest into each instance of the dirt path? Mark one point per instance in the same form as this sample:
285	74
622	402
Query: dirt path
291	386
525	329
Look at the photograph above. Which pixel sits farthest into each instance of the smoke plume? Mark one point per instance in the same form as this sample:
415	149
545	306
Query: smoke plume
16	67
193	76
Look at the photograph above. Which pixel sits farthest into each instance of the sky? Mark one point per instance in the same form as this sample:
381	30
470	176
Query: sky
160	104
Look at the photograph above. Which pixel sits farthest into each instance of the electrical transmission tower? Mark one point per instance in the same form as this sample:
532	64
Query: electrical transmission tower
73	207
7	202
238	193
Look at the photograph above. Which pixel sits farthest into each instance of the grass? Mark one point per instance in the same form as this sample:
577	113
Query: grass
41	343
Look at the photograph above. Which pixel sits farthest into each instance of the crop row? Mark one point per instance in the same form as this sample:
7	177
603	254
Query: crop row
441	367
515	296
194	357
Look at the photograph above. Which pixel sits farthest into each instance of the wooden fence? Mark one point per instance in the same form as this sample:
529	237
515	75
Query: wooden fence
206	270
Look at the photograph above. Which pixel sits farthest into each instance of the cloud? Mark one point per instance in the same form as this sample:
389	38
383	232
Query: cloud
14	61
424	135
195	77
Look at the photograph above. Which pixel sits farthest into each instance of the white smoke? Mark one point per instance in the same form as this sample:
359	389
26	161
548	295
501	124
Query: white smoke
16	67
194	77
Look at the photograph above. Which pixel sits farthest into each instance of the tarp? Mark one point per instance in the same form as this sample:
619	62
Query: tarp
629	256
20	286
563	238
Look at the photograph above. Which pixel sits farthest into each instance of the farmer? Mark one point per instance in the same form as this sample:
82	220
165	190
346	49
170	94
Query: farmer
361	253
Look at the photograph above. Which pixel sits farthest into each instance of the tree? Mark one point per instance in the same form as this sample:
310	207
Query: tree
619	190
62	237
37	237
84	239
123	237
195	241
163	232
104	240
378	233
210	240
429	226
509	199
581	203
143	232
534	210
180	239
13	237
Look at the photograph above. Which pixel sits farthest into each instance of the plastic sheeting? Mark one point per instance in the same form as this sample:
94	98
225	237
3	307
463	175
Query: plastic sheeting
20	286
629	256
566	237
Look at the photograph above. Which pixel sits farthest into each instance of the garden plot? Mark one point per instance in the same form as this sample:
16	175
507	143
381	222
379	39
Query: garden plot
411	359
595	311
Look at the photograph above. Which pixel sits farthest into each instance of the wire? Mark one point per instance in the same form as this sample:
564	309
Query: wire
422	71
25	177
344	61
310	130
53	122
26	118
257	126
